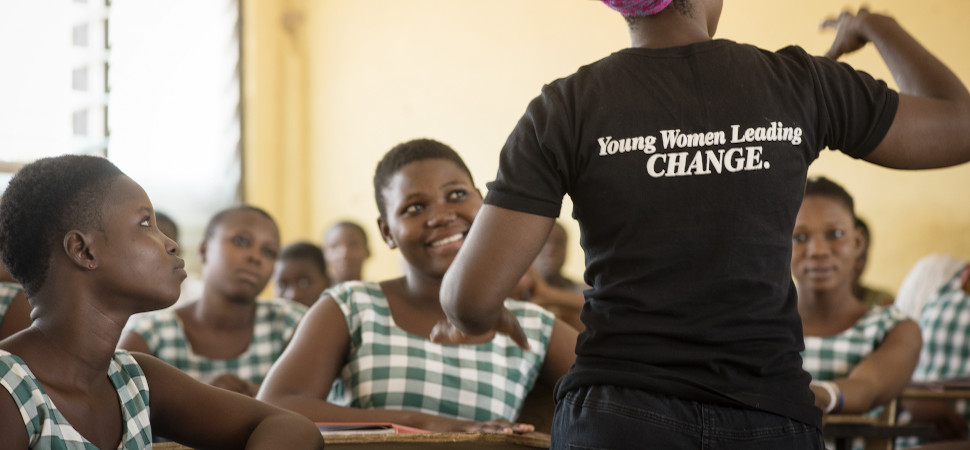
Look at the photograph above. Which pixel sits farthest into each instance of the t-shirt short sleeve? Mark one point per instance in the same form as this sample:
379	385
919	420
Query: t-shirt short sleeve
855	108
533	168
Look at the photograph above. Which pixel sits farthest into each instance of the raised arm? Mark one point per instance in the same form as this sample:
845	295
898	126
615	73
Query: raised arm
932	124
883	374
12	423
202	416
499	248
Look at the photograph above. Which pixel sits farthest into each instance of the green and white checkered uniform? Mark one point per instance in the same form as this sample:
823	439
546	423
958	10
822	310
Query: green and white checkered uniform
945	323
833	357
46	426
7	292
389	368
274	325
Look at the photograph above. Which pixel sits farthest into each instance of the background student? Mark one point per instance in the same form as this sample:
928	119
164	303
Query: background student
229	338
301	273
345	249
860	356
14	308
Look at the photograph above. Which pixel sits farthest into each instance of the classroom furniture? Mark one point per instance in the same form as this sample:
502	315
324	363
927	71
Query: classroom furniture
417	441
879	433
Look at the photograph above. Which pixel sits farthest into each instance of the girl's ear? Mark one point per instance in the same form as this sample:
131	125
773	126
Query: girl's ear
77	246
861	241
386	233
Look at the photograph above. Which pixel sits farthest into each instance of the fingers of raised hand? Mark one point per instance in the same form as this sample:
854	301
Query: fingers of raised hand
445	333
509	325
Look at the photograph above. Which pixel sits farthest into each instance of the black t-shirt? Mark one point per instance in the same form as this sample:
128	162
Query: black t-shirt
686	167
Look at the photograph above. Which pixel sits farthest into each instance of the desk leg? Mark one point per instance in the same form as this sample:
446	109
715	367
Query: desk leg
843	443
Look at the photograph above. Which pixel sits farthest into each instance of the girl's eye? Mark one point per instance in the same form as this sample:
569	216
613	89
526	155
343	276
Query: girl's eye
799	238
240	241
269	253
458	194
413	209
836	234
146	222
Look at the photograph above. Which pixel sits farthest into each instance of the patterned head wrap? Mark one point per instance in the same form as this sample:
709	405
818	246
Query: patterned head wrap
637	8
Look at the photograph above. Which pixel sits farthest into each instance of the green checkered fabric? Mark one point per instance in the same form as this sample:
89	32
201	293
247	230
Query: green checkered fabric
945	323
389	368
7	292
274	325
46	426
833	357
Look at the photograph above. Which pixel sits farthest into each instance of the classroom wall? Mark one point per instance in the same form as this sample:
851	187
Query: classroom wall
330	85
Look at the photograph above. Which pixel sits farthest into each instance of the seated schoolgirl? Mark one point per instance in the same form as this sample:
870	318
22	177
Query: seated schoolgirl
860	356
81	238
301	273
228	338
363	353
346	250
945	356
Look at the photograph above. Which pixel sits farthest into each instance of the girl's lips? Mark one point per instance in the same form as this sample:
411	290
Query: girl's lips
248	276
820	272
180	269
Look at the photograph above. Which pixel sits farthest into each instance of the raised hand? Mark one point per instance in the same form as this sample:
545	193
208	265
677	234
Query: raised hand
850	33
445	332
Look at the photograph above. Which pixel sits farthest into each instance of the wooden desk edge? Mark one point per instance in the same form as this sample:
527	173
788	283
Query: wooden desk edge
926	392
535	440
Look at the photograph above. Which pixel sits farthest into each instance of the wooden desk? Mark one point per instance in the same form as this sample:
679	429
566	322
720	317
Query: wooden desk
877	432
876	435
415	441
938	392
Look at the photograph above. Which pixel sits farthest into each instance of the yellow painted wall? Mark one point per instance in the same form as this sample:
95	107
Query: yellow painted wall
356	77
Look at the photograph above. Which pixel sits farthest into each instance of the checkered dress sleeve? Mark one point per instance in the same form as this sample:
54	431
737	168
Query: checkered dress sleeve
833	357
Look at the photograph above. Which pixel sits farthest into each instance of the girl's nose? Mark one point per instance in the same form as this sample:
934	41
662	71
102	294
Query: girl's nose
441	216
816	247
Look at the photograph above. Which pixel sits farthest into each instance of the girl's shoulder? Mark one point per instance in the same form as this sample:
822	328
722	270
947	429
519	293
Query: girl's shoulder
357	292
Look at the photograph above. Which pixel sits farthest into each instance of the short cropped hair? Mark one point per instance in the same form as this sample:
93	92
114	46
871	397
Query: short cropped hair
825	187
348	224
305	251
219	217
409	152
44	200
